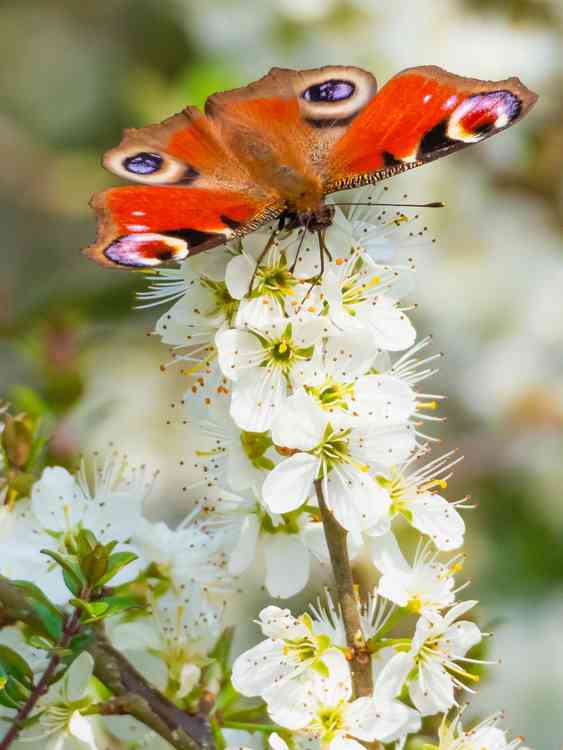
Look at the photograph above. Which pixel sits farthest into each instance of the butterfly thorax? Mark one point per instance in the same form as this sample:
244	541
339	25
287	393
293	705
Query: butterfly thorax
314	220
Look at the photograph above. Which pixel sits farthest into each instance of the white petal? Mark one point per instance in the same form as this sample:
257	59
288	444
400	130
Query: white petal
349	355
78	676
370	719
237	352
385	398
280	623
337	687
257	397
302	423
392	329
460	638
257	670
434	516
287	565
80	727
432	691
357	501
393	676
385	446
342	742
387	556
290	483
57	501
238	275
245	549
291	706
276	742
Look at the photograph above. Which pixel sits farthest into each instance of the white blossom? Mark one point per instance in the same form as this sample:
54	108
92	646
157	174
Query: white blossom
432	667
329	448
426	586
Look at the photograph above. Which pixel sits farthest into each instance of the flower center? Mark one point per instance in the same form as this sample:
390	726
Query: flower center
224	303
275	281
330	721
332	394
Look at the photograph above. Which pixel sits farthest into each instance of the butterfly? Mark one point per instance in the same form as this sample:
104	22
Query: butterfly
276	148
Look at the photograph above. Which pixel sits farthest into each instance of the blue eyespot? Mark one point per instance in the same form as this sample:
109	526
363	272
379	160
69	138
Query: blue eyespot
334	90
143	163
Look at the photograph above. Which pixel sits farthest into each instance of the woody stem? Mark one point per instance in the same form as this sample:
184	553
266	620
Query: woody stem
336	538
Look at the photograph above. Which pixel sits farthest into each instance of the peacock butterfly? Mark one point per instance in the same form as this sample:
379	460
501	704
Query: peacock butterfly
277	147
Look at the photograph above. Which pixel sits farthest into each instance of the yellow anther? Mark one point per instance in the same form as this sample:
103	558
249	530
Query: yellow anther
426	405
339	261
282	348
374	281
312	309
441	483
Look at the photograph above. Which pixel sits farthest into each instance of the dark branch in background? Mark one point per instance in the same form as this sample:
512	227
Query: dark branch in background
133	694
336	538
70	629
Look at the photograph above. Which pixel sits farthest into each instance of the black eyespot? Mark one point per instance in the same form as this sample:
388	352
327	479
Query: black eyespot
334	90
143	163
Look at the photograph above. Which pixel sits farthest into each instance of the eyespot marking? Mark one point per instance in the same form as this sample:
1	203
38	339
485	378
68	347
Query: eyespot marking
481	114
143	163
146	250
333	90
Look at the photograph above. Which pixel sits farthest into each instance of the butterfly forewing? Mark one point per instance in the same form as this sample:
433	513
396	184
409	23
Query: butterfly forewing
418	116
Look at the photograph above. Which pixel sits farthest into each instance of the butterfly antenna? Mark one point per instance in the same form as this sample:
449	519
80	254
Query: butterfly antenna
434	204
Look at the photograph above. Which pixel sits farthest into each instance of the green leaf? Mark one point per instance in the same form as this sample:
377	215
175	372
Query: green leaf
16	676
123	602
50	617
116	562
72	574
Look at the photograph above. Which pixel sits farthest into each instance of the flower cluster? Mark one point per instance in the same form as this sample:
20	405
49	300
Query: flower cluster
305	403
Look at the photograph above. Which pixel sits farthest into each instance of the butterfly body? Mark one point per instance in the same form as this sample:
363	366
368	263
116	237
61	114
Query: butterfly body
276	148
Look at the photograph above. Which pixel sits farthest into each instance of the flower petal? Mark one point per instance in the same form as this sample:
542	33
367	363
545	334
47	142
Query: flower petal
287	564
290	483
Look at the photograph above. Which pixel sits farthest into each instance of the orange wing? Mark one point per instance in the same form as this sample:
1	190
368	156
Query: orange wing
420	115
144	226
195	194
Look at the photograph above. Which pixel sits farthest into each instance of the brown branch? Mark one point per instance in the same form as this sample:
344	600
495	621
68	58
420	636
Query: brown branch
133	694
71	628
336	539
139	699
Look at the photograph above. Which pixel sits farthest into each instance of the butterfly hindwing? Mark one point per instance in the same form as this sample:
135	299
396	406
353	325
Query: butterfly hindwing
420	115
143	226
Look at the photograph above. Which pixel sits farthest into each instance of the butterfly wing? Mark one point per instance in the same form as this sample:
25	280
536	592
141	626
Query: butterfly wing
420	115
145	226
193	194
283	126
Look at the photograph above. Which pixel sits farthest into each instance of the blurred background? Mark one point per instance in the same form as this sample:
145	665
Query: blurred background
73	74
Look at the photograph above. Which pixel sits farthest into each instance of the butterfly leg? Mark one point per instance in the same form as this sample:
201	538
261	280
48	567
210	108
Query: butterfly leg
315	280
260	258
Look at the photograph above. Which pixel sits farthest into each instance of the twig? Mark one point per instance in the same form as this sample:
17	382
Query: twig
336	539
70	629
133	695
139	699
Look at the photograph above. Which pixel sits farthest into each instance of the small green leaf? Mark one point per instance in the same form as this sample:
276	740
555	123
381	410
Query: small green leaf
51	619
72	574
16	677
116	562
